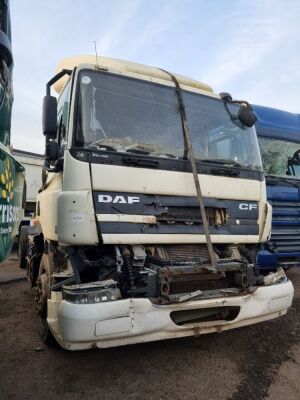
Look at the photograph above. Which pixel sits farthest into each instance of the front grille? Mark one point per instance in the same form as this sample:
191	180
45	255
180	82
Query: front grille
180	269
286	225
182	214
197	253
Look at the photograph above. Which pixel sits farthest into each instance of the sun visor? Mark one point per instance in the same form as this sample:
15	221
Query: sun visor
122	67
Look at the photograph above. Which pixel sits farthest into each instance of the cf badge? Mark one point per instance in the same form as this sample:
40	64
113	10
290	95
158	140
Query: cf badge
247	206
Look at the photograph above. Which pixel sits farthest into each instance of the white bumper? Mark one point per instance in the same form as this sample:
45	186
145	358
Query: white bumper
122	322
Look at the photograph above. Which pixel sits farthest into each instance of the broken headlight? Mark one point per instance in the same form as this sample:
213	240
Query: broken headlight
91	293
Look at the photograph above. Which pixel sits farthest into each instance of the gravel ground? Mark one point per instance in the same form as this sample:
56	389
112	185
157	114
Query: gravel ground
256	362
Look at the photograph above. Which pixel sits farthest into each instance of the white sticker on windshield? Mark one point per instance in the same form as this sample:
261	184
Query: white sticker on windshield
86	80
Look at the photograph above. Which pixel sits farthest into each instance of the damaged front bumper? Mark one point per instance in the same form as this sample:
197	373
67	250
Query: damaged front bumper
137	320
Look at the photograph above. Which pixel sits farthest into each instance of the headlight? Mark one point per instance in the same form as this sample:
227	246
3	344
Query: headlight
90	293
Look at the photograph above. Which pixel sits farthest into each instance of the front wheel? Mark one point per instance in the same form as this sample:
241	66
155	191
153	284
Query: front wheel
44	282
45	333
23	246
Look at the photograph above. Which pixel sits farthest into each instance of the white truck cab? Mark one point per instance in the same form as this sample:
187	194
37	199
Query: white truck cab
152	210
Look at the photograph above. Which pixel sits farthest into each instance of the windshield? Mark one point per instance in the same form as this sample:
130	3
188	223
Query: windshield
126	114
275	154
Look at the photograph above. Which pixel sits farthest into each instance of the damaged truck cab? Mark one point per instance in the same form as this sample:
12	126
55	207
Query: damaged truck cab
152	210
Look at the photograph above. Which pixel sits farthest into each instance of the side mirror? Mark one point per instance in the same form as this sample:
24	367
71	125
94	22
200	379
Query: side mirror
50	116
246	116
293	165
51	153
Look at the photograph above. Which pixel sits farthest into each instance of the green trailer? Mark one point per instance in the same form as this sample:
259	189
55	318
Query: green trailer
12	180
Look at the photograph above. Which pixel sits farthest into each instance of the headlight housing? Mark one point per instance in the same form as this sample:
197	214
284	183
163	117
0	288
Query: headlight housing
91	293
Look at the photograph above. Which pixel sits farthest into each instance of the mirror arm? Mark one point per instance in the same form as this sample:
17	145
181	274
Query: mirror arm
57	168
245	115
56	78
226	97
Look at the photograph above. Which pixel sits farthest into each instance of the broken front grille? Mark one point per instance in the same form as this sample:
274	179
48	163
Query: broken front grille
191	215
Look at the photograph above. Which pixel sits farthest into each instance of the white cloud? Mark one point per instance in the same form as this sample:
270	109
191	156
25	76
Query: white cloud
158	29
247	48
249	43
117	26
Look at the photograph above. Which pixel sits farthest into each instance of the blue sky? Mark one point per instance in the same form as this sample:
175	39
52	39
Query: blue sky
250	49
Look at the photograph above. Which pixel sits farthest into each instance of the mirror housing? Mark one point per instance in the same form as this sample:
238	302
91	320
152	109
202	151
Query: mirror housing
50	116
51	153
293	165
246	116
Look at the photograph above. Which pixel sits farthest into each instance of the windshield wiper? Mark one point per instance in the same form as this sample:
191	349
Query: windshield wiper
138	151
144	151
222	161
135	148
99	145
104	146
274	180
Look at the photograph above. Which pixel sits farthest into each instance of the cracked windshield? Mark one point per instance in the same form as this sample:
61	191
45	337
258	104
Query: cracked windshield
275	154
125	114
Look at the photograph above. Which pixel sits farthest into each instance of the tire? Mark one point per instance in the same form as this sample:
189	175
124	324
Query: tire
45	333
45	272
23	247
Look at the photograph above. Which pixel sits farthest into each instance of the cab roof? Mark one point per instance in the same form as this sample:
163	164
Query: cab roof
123	67
277	124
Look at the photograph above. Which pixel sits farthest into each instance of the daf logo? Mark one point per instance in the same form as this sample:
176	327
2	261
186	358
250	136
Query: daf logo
247	207
118	199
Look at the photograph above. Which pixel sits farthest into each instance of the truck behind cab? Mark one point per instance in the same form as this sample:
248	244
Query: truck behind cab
33	164
152	210
279	139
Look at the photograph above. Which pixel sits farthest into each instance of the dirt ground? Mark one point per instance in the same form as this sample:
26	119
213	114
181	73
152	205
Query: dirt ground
256	362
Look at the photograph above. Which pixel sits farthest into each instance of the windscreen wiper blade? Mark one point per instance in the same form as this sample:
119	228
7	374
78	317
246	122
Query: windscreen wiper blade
145	151
119	146
274	180
100	145
135	150
222	161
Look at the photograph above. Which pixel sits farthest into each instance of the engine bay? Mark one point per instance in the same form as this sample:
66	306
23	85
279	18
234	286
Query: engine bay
162	273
